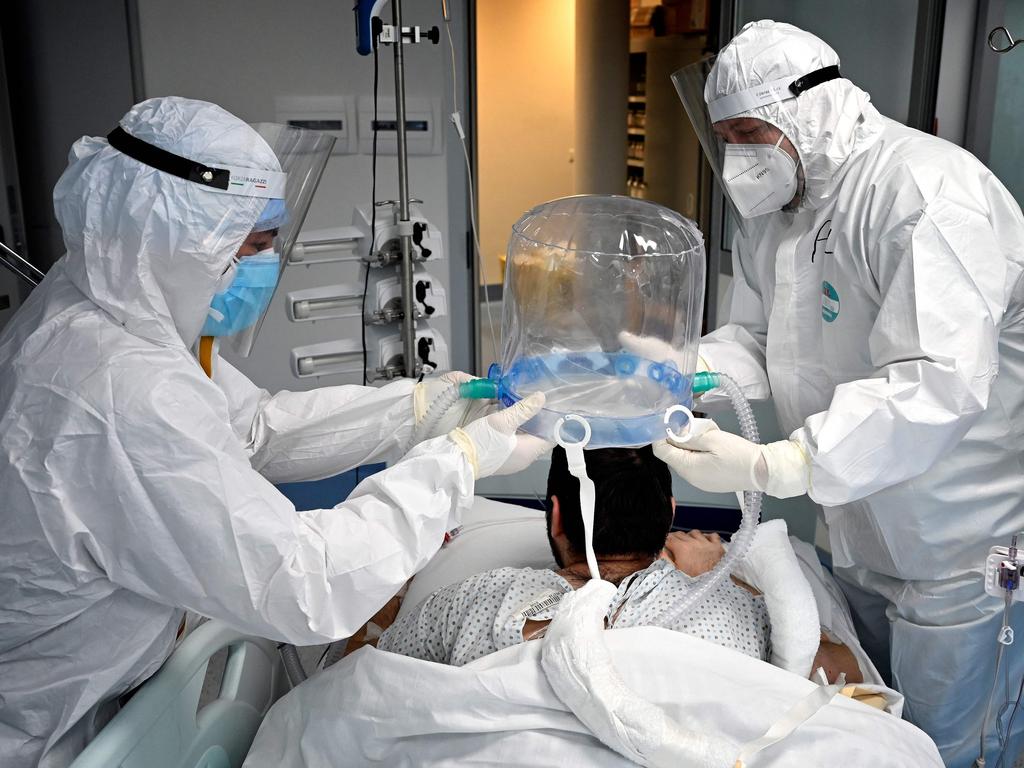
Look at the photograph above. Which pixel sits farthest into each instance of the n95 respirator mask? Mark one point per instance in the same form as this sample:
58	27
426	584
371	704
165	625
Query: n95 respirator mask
760	178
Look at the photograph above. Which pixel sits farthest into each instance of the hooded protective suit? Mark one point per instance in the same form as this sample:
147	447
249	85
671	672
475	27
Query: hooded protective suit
888	315
134	486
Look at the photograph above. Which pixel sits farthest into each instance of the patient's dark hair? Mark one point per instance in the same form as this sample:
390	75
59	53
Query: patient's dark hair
633	509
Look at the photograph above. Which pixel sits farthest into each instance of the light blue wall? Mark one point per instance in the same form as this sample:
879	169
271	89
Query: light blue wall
1006	154
874	40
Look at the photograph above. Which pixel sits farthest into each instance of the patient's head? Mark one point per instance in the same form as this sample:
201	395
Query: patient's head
633	510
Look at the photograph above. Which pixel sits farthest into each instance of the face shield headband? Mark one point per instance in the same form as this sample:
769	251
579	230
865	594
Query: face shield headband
245	182
733	104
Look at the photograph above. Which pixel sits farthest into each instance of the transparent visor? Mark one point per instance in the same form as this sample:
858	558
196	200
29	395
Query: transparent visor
282	202
746	153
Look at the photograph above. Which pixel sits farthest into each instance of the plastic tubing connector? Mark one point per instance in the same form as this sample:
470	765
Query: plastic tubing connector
705	381
479	389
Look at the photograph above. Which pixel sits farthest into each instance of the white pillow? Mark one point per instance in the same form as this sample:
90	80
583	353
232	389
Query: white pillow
493	535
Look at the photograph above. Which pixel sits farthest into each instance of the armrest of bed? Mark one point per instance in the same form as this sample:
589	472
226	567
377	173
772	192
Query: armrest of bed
162	725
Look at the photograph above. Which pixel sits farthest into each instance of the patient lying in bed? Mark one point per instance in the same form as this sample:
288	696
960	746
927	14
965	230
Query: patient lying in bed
633	514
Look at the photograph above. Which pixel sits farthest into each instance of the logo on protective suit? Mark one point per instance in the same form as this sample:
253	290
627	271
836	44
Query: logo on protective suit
829	302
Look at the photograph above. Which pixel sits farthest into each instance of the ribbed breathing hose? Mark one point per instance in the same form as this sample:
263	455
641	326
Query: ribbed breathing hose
750	508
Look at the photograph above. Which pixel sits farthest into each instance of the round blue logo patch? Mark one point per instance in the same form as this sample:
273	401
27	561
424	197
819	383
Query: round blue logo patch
829	302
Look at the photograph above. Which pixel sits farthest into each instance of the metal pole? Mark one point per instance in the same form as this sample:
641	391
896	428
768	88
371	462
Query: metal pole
19	266
409	359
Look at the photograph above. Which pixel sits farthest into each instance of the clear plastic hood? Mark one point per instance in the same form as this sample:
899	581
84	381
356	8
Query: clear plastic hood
603	306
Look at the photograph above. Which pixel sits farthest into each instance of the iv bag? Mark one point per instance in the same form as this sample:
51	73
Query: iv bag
581	273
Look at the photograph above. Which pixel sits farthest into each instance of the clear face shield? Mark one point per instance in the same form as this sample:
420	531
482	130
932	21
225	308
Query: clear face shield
755	163
247	287
272	189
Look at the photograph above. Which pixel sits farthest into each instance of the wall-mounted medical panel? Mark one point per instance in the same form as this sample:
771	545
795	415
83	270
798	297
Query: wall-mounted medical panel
331	114
423	131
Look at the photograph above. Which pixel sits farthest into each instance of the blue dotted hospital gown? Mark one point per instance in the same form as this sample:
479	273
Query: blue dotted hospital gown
486	612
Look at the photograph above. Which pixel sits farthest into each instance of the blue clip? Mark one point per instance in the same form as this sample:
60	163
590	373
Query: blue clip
625	364
674	381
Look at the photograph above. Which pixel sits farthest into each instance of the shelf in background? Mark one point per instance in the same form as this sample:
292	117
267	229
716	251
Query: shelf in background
634	163
636	99
636	132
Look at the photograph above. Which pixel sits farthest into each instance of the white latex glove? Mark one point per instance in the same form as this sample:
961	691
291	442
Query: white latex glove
492	445
721	462
460	414
656	350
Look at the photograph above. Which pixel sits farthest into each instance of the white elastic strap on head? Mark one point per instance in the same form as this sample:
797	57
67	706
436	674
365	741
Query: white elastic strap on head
733	104
588	495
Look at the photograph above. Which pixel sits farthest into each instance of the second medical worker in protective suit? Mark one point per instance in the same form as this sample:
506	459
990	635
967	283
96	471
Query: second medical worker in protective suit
878	299
134	486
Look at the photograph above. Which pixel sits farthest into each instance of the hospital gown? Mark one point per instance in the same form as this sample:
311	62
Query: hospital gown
486	612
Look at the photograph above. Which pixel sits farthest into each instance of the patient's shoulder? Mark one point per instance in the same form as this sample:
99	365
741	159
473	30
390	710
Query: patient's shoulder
505	578
503	589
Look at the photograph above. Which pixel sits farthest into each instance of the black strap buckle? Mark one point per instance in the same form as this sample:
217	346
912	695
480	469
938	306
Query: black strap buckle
817	77
168	162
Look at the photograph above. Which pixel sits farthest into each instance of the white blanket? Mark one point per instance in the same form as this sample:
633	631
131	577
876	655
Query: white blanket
376	708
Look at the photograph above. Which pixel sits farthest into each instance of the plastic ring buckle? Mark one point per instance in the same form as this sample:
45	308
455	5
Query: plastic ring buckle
561	440
679	437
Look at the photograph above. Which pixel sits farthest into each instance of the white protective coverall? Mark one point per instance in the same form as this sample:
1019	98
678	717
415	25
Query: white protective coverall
134	486
888	314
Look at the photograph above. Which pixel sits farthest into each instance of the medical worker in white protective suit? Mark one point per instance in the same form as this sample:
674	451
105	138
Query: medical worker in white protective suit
878	299
134	486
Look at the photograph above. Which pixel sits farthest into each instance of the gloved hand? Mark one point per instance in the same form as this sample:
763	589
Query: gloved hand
492	445
720	462
463	412
656	350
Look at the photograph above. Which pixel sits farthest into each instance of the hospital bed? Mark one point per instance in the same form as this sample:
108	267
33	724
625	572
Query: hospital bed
381	709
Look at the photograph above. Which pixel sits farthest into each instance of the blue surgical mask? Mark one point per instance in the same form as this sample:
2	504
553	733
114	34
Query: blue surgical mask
242	303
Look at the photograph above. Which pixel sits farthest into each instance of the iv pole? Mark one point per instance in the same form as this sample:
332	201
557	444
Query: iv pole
410	361
368	27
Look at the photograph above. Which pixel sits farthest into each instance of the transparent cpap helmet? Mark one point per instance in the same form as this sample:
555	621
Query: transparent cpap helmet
603	305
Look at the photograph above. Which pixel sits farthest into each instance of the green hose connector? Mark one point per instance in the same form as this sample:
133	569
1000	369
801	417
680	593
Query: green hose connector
479	389
704	381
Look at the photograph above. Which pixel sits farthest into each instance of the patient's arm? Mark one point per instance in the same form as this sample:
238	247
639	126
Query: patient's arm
835	658
426	631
